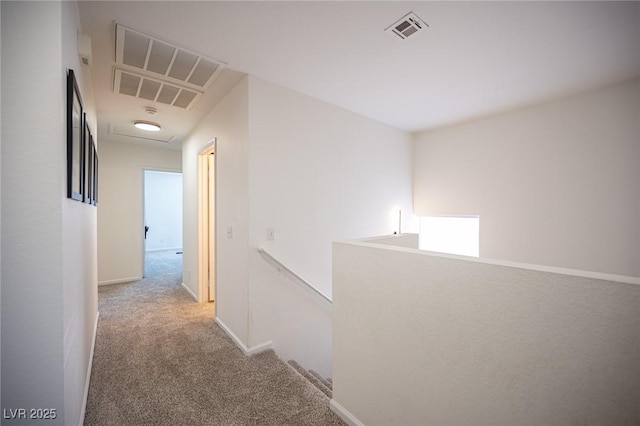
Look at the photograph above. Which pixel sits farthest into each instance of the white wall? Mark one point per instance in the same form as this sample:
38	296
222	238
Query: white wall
312	171
317	173
0	207
49	274
444	340
228	122
402	240
120	217
554	184
79	242
163	210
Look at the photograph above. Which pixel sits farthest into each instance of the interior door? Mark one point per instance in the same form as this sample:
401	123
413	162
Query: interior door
211	164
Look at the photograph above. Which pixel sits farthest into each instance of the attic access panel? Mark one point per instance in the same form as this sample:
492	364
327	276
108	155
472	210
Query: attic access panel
145	53
140	135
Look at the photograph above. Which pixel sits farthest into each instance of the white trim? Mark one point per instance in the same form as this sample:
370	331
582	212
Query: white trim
247	351
203	223
86	386
143	170
193	296
282	267
119	281
160	169
344	414
259	348
164	249
623	279
378	237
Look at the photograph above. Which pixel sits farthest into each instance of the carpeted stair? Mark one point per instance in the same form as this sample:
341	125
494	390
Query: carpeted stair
325	385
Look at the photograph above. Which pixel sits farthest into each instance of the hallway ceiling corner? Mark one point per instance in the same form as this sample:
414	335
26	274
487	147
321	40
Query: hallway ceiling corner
474	59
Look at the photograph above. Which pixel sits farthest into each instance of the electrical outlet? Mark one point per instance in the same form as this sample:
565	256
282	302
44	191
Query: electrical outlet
229	232
271	234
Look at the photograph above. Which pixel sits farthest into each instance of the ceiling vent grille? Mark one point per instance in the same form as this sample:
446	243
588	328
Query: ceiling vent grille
145	53
407	26
134	84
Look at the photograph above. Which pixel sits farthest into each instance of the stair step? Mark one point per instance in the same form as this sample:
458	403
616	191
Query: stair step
322	379
312	378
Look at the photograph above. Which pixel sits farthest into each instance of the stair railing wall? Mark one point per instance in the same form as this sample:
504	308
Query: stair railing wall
503	343
290	313
285	269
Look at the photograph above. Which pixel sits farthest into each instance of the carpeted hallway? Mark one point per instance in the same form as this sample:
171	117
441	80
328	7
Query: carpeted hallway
161	360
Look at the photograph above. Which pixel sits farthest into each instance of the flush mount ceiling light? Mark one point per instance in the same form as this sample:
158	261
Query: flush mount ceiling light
147	125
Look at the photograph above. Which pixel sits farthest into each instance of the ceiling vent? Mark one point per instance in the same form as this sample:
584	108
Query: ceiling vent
407	26
140	86
145	53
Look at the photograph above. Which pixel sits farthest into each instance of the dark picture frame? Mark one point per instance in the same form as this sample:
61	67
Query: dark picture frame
75	139
87	163
94	170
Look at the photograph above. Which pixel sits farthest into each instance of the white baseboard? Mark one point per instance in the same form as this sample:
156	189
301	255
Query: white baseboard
247	351
344	414
259	348
86	386
193	296
165	249
119	281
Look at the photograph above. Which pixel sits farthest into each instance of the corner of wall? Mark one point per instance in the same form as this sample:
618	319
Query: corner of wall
0	191
228	124
555	183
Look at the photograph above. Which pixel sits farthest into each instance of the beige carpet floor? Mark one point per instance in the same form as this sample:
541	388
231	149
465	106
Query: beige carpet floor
161	360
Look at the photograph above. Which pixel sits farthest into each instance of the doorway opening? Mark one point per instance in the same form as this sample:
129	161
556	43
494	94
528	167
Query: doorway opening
162	209
207	223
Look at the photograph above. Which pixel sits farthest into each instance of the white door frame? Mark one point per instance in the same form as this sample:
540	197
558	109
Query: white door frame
203	223
144	207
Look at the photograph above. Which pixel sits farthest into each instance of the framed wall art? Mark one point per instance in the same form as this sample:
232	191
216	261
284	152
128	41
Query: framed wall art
94	171
87	163
75	136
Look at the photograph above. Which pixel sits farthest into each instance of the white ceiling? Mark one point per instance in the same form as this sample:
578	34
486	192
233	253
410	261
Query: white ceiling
475	59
